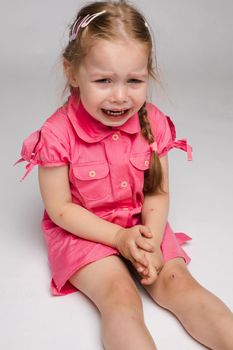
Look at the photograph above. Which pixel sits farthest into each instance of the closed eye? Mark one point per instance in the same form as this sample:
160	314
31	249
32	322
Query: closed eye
135	81
103	81
107	81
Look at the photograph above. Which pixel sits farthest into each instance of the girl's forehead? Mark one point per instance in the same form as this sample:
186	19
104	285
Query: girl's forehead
118	45
104	54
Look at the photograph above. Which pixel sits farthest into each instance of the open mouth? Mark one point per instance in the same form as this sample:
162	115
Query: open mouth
116	113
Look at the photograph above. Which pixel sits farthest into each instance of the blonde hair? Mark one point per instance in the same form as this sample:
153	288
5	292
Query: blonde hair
120	20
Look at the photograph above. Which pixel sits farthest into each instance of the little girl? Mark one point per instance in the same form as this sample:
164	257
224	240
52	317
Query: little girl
103	175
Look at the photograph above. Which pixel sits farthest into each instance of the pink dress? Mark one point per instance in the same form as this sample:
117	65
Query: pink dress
106	173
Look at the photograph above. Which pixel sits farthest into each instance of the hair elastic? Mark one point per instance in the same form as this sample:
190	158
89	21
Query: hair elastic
82	24
154	146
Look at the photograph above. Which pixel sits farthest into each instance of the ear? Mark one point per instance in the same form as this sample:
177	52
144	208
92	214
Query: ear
69	72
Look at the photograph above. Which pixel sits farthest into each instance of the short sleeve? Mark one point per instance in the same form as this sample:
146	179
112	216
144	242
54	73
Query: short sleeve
43	147
164	132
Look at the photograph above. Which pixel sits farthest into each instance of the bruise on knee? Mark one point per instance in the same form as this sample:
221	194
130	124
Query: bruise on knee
172	277
172	281
177	279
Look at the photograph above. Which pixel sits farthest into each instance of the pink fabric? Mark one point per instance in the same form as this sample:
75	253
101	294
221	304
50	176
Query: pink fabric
106	173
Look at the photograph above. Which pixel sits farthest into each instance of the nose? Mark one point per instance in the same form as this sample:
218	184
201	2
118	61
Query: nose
119	94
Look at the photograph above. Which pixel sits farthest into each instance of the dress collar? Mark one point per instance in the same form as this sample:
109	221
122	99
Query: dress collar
91	130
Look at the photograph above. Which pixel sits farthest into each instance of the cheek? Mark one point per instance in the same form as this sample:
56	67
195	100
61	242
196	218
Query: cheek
140	97
140	92
89	97
94	95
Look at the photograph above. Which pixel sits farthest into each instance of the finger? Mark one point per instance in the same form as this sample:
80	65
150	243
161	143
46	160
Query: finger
141	243
151	277
148	280
159	266
138	256
145	272
145	231
137	265
141	269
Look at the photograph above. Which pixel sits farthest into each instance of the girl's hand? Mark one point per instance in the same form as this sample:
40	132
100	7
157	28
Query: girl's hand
132	245
150	273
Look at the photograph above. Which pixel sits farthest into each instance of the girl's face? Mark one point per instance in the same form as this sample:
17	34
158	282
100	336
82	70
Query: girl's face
113	80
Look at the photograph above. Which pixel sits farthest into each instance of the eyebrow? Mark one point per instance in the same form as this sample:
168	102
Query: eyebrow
108	74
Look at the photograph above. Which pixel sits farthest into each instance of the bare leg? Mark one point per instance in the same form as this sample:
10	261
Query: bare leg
122	328
202	314
108	284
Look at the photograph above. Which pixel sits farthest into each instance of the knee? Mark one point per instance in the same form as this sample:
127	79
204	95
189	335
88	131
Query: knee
173	281
123	295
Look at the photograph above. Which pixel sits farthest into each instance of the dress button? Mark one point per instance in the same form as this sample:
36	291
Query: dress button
146	162
115	137
124	184
92	173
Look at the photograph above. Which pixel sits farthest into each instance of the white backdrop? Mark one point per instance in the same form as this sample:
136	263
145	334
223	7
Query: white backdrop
195	55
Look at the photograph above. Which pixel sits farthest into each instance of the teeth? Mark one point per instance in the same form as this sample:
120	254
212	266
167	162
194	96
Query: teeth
115	113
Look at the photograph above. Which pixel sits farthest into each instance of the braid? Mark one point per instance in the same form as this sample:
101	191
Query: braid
153	176
145	125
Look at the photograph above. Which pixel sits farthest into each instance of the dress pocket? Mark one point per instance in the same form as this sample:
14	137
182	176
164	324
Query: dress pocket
139	164
141	161
92	180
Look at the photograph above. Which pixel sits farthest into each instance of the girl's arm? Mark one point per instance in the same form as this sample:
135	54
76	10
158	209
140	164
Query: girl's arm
155	207
56	195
